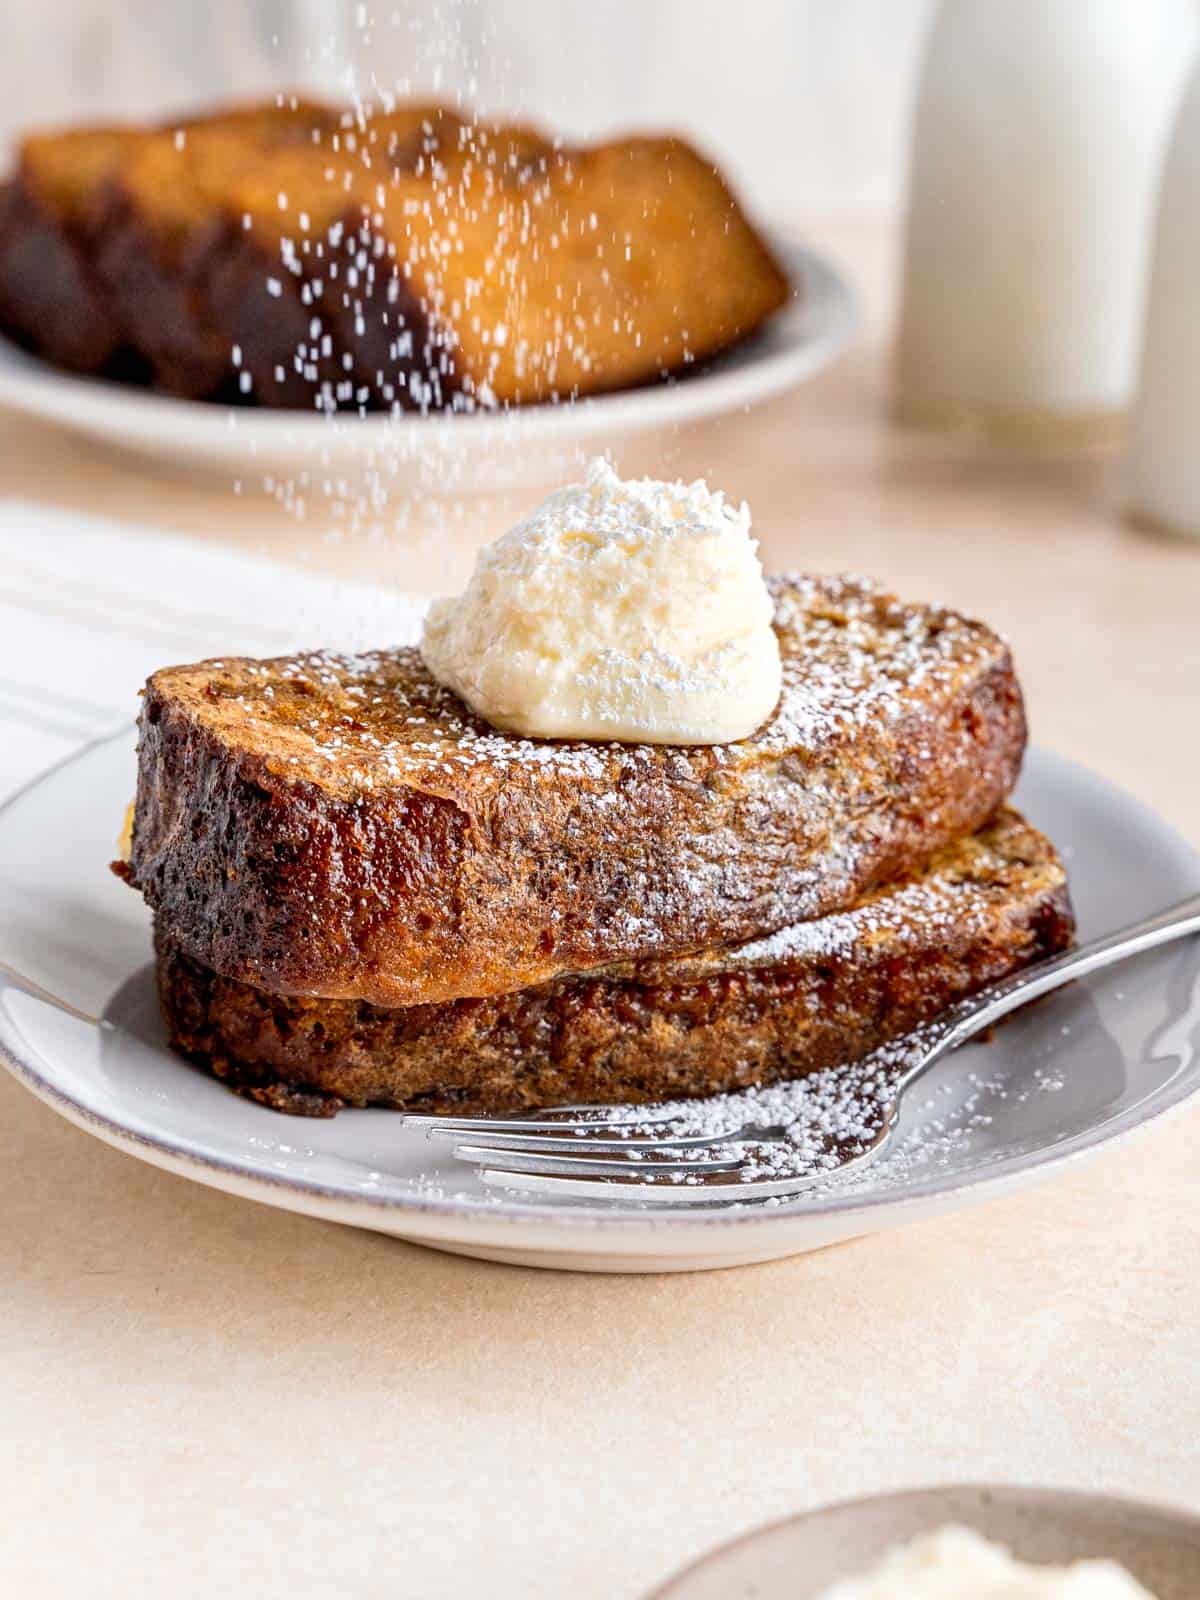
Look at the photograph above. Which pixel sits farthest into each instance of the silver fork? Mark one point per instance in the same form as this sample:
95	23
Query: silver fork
593	1152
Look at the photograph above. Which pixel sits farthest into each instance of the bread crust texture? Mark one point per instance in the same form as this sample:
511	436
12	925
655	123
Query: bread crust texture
343	827
804	999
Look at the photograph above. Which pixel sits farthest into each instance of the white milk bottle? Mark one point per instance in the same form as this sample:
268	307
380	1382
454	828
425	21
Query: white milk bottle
1164	457
1040	131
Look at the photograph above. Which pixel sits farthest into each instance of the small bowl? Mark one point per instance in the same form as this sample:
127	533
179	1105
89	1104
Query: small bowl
799	1558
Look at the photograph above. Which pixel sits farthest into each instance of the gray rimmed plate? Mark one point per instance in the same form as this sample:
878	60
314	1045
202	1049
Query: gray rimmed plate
1078	1070
799	1559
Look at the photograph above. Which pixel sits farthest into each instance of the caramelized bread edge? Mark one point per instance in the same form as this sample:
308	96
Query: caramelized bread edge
847	986
437	886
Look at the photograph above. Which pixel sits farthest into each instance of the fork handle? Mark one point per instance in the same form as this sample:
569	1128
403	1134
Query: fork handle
10	977
996	1001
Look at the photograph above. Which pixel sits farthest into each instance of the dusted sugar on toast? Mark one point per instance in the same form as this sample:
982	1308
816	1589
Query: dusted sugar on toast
804	999
343	827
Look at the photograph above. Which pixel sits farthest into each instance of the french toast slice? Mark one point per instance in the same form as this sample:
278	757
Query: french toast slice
297	279
52	299
578	270
166	207
57	216
804	999
403	259
342	826
484	265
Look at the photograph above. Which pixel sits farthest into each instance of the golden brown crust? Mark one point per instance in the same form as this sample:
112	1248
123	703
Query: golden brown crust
808	998
344	827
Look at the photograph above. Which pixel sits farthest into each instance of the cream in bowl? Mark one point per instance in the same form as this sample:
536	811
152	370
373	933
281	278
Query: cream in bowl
954	1563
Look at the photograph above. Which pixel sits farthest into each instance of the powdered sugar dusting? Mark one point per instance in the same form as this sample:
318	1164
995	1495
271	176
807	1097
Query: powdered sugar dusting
820	1121
614	510
908	915
853	656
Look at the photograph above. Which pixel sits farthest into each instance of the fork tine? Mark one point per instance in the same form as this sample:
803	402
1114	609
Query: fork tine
603	1121
582	1141
718	1189
598	1166
685	1183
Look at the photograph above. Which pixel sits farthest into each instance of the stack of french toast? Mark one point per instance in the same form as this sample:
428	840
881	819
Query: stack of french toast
292	254
365	895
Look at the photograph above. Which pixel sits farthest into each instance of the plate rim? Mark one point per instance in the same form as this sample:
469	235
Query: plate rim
1165	1514
378	1211
35	388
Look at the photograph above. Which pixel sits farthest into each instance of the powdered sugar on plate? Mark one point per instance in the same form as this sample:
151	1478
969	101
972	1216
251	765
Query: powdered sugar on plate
807	1130
818	1123
802	1129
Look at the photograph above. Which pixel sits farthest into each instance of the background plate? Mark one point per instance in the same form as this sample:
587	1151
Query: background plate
798	1559
456	453
1080	1068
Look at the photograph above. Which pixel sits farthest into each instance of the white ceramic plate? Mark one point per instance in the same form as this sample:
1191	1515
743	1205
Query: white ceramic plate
1081	1068
799	1559
456	453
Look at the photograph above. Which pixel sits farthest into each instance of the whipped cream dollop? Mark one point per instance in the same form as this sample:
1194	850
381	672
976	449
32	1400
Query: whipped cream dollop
957	1564
626	610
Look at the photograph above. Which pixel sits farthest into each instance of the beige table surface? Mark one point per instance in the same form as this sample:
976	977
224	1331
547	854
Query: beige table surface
200	1396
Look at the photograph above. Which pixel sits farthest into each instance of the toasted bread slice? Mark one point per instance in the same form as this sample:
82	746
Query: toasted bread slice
345	827
299	282
52	299
807	998
57	215
408	259
481	263
166	210
553	272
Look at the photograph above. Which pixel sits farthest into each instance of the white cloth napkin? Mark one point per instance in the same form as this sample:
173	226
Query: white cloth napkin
88	609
